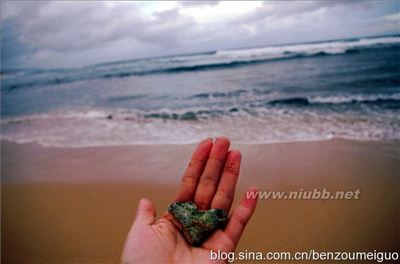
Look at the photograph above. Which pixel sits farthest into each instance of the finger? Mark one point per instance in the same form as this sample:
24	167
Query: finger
225	193
169	217
209	180
241	216
193	172
146	213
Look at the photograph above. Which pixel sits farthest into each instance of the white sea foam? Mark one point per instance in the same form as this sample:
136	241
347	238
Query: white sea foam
261	105
83	128
335	47
353	98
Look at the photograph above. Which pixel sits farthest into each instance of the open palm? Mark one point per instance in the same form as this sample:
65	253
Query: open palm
210	181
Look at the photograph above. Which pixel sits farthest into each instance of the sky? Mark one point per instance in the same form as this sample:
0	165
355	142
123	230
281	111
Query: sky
66	34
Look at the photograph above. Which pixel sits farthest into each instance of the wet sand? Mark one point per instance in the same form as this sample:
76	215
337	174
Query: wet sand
77	204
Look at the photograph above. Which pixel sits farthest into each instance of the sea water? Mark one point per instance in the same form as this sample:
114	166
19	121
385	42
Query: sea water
309	91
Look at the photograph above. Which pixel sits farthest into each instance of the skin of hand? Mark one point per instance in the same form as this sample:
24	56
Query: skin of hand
210	181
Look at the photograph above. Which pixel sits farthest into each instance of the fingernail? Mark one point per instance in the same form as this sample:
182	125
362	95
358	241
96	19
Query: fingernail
144	202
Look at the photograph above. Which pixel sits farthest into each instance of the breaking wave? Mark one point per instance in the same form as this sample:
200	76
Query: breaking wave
221	59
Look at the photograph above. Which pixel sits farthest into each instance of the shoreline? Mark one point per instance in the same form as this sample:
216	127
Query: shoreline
77	204
193	143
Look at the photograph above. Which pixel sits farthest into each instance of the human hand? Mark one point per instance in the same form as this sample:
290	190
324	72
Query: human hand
210	181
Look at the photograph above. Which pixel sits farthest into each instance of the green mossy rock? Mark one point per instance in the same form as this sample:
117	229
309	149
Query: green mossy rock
197	225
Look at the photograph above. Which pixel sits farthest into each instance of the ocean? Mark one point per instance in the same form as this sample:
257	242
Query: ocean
309	91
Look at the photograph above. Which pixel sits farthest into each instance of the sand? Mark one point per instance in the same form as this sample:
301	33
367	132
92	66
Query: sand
77	204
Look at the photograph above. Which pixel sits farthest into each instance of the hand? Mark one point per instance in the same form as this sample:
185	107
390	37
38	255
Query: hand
210	181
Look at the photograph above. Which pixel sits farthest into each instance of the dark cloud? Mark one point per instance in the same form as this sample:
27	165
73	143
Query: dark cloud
67	27
12	50
72	33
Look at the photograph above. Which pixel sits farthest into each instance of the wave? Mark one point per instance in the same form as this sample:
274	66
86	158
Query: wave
126	98
307	49
185	115
234	93
375	102
221	59
291	101
199	67
13	85
390	80
107	126
392	101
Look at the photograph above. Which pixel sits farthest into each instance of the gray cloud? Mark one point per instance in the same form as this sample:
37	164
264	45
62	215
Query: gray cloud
57	28
169	28
65	26
274	10
77	33
198	3
295	21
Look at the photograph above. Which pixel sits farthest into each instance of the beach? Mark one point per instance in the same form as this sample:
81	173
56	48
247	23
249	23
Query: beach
76	205
102	104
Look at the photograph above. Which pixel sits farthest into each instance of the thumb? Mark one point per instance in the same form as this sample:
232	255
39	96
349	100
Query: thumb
146	213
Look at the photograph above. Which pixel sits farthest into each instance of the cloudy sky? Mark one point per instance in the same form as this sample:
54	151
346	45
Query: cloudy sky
69	34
